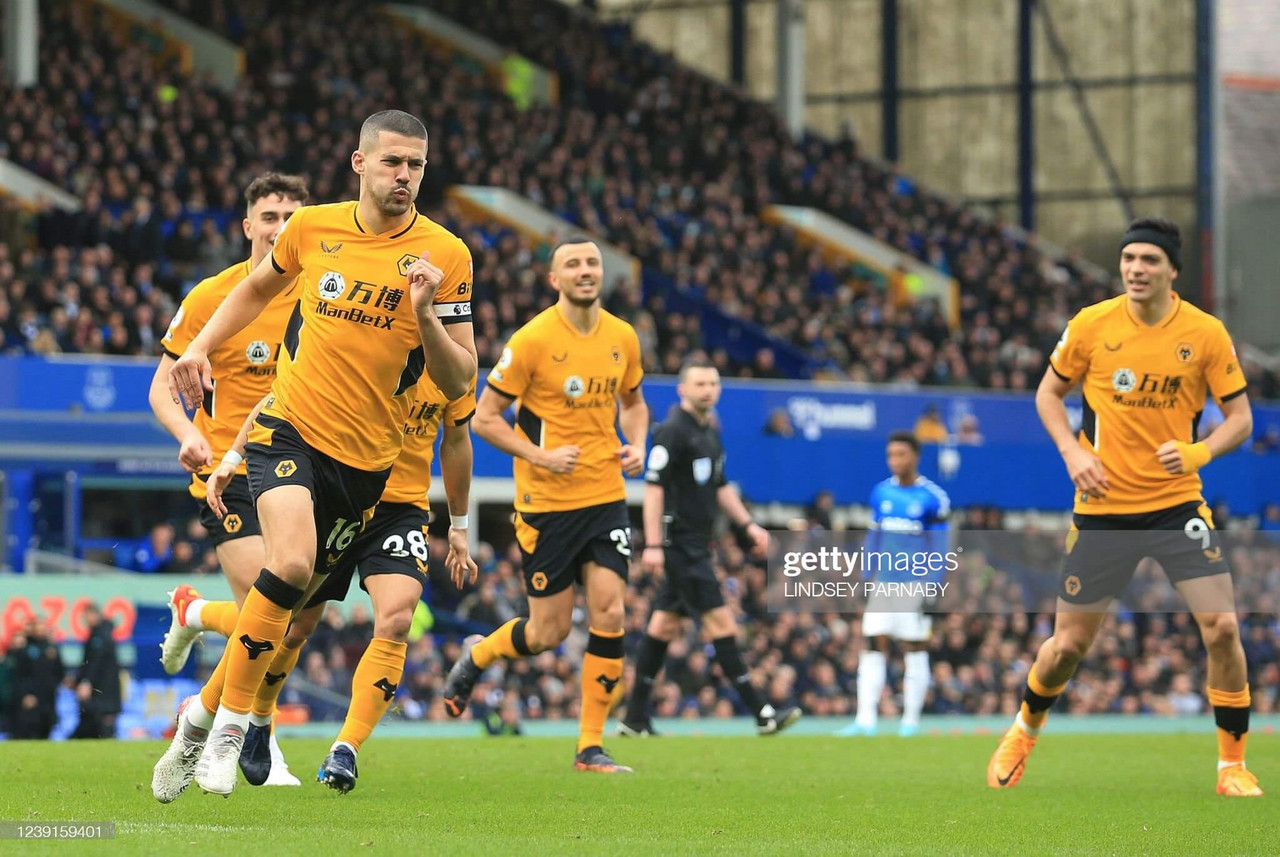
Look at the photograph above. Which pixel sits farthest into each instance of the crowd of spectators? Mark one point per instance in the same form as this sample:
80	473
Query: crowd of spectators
32	670
1145	662
1149	657
665	163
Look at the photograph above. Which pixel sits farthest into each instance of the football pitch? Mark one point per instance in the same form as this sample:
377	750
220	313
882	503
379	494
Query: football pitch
1082	794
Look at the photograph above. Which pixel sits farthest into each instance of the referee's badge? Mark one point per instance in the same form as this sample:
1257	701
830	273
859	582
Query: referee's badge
701	470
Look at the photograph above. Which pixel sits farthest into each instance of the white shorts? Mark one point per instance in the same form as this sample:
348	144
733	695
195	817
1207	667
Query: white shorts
907	627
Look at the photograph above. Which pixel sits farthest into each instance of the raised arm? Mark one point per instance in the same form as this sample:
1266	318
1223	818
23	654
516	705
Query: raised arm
448	341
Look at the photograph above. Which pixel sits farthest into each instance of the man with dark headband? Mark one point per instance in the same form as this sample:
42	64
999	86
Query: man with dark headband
1145	360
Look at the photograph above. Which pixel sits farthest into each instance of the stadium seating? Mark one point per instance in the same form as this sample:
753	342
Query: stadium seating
616	157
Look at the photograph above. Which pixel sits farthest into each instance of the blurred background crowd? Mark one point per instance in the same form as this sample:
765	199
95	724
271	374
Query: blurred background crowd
1149	658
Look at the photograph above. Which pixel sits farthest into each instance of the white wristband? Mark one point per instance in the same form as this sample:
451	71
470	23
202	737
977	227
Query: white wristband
233	458
459	522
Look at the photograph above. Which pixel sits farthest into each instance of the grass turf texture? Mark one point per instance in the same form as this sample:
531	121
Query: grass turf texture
1081	794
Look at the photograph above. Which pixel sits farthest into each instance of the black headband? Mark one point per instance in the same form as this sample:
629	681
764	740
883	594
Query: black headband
1171	246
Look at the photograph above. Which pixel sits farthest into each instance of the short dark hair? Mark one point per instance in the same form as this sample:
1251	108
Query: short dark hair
575	238
270	184
697	361
393	122
907	437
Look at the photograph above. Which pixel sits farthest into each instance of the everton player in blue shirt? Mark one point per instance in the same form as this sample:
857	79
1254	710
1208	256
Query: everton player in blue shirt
908	515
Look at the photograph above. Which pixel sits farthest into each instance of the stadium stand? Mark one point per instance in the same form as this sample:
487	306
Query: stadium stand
619	156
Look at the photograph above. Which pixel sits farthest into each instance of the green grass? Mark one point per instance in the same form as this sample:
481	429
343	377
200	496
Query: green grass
1146	794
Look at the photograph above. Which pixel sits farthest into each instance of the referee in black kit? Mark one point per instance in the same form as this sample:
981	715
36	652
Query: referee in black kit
685	485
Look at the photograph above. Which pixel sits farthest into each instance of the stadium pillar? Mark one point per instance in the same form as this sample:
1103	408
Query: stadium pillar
21	41
72	509
790	65
1026	119
18	525
738	42
1206	90
889	79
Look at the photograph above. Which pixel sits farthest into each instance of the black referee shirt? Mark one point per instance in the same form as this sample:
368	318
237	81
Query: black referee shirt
687	460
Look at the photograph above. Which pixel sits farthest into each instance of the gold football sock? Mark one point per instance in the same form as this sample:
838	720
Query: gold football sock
264	701
219	616
211	693
373	687
506	642
263	622
601	672
1037	700
1231	713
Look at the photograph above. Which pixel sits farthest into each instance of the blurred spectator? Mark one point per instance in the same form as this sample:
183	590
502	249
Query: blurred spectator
967	432
779	424
1267	441
930	428
1270	522
98	680
486	607
1182	698
156	552
35	670
819	511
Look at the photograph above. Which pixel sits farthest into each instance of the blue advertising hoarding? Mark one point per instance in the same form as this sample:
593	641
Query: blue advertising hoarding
93	414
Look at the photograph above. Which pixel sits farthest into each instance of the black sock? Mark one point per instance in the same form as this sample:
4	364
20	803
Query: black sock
1234	721
730	660
1035	702
648	662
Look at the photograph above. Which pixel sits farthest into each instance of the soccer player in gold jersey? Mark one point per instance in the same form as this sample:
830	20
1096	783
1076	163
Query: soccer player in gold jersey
322	447
568	369
243	368
1146	360
391	558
